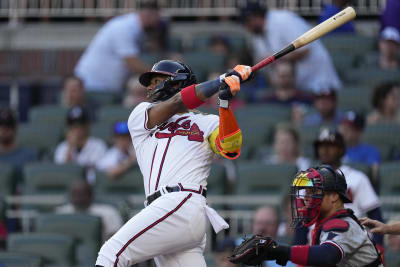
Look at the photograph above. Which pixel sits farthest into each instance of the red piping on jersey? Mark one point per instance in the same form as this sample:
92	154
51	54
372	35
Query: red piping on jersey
151	169
162	164
191	190
149	227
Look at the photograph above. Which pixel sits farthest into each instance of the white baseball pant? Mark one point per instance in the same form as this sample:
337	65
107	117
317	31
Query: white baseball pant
172	229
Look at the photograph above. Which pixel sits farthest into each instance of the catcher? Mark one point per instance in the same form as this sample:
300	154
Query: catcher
338	238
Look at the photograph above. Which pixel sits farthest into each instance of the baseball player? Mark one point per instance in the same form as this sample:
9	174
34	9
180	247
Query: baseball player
330	149
338	239
175	146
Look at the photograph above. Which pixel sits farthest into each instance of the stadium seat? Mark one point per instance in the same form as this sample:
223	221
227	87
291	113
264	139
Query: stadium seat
48	114
85	229
371	76
382	134
17	259
32	135
389	178
129	183
202	63
202	42
256	178
216	182
357	99
103	98
308	134
50	178
103	130
150	59
111	114
6	179
54	249
350	43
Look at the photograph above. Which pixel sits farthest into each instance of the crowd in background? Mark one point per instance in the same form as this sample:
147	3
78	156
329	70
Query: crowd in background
305	83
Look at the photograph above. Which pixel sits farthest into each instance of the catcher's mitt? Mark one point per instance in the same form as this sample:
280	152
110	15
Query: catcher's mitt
253	251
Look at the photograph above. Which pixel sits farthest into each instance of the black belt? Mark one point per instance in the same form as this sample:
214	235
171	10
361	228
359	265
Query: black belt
169	189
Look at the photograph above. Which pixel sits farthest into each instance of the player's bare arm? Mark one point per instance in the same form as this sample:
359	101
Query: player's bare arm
380	227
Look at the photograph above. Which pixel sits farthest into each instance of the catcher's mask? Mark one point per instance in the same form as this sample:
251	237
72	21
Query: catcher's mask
178	75
308	189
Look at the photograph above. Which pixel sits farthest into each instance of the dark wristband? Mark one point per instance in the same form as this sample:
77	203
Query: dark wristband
209	88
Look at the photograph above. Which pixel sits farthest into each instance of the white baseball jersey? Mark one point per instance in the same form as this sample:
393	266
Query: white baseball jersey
360	190
176	151
172	228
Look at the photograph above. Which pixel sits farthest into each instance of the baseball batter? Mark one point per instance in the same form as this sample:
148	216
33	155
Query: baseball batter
338	239
175	146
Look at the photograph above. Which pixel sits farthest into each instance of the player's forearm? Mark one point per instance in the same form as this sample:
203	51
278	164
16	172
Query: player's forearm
207	89
320	255
393	228
376	214
162	111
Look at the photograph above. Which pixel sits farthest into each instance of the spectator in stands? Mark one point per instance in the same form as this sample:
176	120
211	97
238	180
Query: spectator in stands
331	9
272	30
386	103
352	128
283	80
223	250
135	93
389	45
73	94
389	49
121	157
266	223
326	114
79	147
114	51
330	149
10	152
82	201
287	148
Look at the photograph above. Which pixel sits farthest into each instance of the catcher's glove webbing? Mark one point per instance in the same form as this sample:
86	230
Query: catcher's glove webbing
256	249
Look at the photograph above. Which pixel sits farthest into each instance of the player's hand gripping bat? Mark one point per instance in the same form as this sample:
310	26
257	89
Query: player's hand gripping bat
318	31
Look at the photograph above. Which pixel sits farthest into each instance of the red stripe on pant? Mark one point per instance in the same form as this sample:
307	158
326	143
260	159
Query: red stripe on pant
149	227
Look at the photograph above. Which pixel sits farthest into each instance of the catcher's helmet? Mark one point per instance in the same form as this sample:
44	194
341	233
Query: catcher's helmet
179	74
307	192
327	136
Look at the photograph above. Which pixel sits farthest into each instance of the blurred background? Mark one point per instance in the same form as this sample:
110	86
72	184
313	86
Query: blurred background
68	82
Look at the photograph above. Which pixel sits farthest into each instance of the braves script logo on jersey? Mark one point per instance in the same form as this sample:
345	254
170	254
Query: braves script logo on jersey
184	129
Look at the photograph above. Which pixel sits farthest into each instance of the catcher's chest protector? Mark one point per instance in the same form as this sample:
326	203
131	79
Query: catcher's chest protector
339	228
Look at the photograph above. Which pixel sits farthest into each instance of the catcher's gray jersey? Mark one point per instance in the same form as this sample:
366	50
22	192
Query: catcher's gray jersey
356	247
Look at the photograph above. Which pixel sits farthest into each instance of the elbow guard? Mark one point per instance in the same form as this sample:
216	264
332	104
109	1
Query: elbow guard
229	146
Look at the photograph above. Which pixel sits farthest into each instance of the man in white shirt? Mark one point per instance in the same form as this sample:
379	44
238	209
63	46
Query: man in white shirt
121	157
114	51
81	197
273	30
79	147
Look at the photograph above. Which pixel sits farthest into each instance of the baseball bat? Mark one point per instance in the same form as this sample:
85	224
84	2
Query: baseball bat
318	31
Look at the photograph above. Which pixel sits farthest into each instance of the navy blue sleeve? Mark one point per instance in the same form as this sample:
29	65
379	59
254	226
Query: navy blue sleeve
324	255
376	214
300	235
